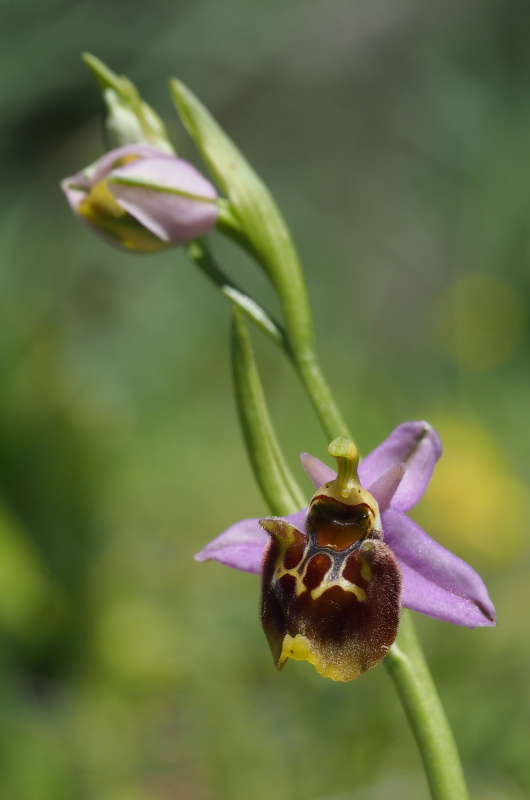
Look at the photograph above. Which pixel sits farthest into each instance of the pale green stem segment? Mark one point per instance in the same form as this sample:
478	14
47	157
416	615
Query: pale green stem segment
405	661
275	480
199	252
408	669
319	393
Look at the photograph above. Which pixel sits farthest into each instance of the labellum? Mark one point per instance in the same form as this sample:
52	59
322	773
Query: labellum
331	593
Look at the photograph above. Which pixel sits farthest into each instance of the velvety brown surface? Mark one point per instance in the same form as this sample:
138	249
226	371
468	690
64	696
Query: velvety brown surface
344	598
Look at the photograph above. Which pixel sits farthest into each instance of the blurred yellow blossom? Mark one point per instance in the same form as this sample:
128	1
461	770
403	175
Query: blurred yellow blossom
475	500
481	321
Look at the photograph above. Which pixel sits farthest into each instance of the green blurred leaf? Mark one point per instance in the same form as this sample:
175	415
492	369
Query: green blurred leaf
25	586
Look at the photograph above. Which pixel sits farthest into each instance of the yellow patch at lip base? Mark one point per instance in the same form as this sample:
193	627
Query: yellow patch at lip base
299	649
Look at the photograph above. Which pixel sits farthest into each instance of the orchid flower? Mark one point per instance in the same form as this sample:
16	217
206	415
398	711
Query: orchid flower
335	574
142	199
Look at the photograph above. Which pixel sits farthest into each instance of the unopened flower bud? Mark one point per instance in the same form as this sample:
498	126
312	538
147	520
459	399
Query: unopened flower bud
143	200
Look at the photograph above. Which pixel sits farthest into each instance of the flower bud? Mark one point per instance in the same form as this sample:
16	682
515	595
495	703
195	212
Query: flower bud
143	200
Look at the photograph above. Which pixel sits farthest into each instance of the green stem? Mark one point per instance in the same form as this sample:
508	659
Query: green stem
408	669
268	242
405	661
320	395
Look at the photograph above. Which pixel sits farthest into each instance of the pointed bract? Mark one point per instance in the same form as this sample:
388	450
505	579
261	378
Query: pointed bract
129	120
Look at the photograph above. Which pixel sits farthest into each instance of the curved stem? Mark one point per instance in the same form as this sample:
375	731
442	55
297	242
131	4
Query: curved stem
408	669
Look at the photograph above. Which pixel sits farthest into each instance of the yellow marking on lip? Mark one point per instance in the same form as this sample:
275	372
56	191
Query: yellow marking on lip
345	585
300	586
280	571
325	584
366	571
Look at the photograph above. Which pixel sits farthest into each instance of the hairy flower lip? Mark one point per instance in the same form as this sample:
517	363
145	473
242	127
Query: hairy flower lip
435	581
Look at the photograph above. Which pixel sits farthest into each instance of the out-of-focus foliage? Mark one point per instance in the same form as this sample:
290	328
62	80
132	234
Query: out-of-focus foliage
396	138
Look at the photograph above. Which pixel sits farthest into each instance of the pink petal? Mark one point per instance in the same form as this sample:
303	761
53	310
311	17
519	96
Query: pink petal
418	447
172	217
435	581
243	544
76	186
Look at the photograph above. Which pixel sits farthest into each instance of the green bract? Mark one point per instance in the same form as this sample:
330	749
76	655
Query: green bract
129	119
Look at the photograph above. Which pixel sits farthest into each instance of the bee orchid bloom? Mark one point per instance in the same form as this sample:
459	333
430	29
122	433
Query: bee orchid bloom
335	575
143	200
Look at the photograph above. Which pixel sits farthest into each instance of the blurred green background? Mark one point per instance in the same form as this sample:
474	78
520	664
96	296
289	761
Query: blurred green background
395	136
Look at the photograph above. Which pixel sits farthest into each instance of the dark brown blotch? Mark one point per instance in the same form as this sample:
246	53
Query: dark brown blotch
316	570
353	568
